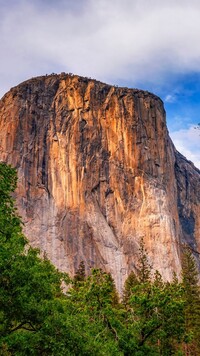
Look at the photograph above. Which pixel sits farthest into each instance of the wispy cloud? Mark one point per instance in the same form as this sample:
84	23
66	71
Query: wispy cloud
187	141
170	98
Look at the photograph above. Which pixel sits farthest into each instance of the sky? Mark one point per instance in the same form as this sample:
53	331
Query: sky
147	44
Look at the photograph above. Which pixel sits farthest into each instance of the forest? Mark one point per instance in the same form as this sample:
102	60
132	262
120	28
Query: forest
46	312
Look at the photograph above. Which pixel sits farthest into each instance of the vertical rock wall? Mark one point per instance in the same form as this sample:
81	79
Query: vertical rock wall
98	172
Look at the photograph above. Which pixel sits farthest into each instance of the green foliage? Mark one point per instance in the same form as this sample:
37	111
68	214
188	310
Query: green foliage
80	274
130	283
155	316
190	283
144	268
95	302
155	311
10	224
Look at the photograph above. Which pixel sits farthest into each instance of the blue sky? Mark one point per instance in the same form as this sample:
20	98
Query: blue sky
146	44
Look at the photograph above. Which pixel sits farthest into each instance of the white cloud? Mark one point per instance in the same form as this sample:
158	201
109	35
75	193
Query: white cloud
170	98
187	142
108	40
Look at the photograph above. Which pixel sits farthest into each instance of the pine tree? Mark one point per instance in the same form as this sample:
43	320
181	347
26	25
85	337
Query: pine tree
80	273
154	310
144	267
191	288
129	284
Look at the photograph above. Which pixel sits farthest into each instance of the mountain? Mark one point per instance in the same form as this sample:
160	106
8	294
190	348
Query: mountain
98	172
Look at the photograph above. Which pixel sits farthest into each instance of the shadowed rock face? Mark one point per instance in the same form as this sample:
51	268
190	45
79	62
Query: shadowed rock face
98	172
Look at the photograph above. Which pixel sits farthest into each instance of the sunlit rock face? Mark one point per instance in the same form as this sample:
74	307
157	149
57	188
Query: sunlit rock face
97	173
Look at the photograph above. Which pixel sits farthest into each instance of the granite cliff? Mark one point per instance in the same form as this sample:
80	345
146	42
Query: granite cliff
97	172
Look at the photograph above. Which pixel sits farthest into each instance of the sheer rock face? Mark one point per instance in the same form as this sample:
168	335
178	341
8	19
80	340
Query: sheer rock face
98	172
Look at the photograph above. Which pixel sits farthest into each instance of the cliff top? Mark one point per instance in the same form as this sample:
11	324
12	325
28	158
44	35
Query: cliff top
64	76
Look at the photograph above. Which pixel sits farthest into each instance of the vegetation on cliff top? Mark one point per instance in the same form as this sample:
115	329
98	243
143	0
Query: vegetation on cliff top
38	318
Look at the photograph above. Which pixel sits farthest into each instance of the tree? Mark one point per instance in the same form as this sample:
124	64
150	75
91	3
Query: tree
144	267
95	303
10	224
190	282
154	311
129	284
80	274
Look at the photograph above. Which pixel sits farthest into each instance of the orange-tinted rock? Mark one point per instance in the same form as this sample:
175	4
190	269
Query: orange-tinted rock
98	172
